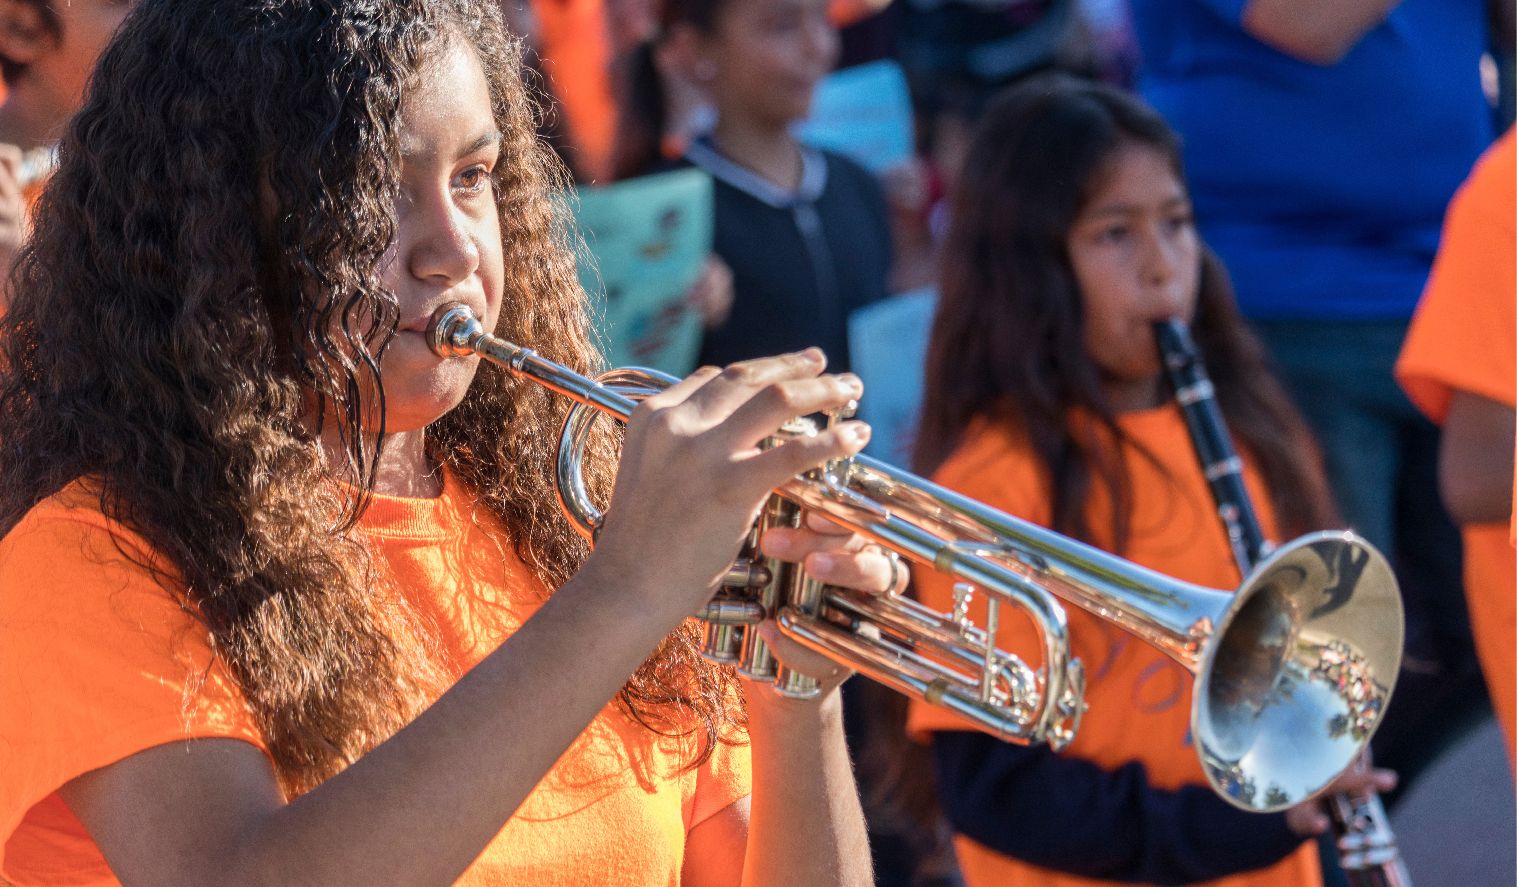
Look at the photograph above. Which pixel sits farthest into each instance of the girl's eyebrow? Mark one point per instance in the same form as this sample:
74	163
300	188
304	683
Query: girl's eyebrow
1123	209
492	138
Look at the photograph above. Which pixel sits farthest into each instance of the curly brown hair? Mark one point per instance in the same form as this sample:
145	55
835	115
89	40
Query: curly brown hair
203	278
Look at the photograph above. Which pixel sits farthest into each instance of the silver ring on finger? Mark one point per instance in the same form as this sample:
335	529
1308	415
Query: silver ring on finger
898	572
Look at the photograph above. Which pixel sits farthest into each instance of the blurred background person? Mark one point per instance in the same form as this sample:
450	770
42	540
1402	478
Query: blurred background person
805	232
1459	365
582	41
47	51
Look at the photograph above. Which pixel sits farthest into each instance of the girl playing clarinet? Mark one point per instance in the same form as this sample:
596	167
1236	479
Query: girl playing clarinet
1071	237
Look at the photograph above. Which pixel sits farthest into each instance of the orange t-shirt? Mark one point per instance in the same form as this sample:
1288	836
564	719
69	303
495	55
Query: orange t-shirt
97	663
1139	698
574	43
1463	337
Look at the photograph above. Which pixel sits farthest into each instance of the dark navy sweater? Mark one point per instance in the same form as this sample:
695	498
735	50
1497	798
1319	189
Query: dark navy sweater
801	260
1071	815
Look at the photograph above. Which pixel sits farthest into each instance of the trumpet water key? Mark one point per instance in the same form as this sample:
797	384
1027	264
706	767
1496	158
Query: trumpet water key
1366	845
1292	671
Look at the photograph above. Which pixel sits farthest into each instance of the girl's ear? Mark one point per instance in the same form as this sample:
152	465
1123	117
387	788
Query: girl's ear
24	33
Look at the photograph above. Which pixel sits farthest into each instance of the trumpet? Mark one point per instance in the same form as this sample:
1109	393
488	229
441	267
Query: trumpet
1292	671
1366	845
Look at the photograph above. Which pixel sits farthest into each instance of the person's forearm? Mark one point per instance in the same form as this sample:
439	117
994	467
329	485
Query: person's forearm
1475	459
1317	31
420	807
807	826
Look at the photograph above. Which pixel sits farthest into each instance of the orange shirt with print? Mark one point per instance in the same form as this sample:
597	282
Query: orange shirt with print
1139	698
97	662
1463	337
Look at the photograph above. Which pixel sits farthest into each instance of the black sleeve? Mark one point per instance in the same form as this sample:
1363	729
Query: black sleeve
1070	815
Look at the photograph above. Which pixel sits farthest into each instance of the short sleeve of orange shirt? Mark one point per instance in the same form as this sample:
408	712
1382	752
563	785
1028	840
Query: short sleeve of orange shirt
724	779
97	662
1464	333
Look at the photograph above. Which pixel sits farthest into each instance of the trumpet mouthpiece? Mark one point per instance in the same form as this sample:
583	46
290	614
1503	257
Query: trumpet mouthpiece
453	331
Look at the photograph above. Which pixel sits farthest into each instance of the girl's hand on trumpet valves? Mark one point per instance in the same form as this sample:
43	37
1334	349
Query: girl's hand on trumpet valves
833	556
692	478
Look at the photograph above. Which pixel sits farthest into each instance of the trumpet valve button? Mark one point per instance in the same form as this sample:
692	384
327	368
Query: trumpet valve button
963	594
745	575
837	469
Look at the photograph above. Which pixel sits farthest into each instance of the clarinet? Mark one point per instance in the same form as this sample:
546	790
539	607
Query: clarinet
1366	845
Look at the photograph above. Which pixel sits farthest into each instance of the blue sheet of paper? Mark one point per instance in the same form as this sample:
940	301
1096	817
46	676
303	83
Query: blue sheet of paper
646	239
863	113
887	343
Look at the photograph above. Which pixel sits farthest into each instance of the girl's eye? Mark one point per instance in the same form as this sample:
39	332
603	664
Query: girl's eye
1114	234
1181	221
473	180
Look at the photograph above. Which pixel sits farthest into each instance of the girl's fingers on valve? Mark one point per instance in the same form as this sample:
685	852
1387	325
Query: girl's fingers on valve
795	543
735	385
797	657
818	522
871	569
770	408
767	469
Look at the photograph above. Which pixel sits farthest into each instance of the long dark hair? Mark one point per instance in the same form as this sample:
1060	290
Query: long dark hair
1007	340
204	274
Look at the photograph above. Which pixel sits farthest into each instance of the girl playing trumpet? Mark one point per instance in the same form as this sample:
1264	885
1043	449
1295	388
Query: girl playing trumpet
285	597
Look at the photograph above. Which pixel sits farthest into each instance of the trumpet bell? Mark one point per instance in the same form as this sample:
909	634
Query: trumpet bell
1299	672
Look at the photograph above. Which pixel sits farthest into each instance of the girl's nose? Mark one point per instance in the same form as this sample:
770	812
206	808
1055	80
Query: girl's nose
442	249
1160	261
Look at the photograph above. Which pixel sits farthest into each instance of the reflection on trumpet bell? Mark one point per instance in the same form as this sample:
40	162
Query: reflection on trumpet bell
1292	672
1347	671
1300	671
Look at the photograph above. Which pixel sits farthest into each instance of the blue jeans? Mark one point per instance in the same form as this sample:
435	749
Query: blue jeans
1382	458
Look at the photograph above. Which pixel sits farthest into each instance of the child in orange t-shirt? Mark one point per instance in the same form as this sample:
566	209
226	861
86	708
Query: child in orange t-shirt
1071	237
1459	366
286	597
